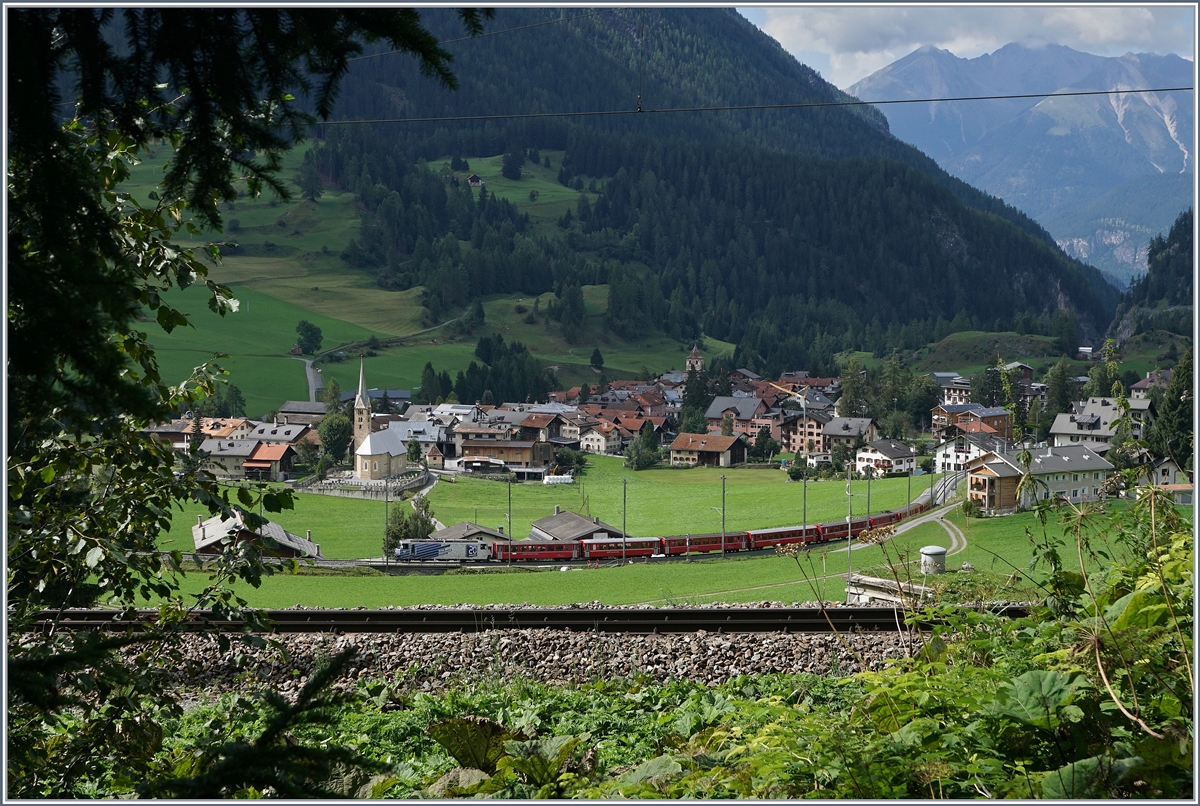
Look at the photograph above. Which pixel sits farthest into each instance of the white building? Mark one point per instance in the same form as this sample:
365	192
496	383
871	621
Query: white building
885	456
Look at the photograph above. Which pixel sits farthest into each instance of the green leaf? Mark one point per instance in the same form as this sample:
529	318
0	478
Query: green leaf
244	498
539	760
1035	697
1087	778
94	556
473	741
457	782
1137	609
652	771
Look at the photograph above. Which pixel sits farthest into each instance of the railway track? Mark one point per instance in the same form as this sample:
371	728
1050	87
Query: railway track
657	620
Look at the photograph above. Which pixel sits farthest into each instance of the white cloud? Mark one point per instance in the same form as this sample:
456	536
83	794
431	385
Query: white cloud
858	40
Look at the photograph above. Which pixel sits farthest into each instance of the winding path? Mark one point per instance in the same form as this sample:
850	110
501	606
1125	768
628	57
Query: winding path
315	381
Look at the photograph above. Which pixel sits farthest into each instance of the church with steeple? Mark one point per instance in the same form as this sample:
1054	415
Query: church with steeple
362	410
695	361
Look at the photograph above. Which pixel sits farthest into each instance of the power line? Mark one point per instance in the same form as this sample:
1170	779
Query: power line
493	33
743	108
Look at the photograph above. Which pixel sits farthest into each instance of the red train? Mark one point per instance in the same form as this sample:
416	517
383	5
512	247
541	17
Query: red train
607	548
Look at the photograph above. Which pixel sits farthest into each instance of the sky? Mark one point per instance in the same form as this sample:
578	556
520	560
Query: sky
849	43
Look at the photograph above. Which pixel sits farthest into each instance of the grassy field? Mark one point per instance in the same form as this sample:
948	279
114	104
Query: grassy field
660	502
735	579
665	501
997	547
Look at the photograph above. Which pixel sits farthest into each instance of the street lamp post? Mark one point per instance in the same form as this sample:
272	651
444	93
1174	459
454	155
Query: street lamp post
849	531
624	512
722	517
804	404
386	562
870	472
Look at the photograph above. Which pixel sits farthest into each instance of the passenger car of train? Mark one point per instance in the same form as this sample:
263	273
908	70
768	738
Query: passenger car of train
608	548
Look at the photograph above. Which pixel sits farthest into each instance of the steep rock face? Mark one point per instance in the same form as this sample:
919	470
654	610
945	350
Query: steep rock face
1099	172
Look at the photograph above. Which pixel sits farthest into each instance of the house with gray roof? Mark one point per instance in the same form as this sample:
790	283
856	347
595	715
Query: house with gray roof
1092	422
227	457
469	531
743	410
1074	473
885	456
565	525
209	535
300	412
845	431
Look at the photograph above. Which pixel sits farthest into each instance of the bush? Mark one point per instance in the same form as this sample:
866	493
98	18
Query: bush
970	508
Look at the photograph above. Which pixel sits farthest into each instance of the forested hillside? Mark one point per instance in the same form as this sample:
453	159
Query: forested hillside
795	234
1161	299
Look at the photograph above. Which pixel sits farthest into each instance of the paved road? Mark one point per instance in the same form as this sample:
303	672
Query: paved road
421	492
315	381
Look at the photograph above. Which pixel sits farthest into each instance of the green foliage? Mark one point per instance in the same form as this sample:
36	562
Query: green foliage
1170	270
309	337
764	446
272	762
406	523
413	451
1172	432
638	456
335	431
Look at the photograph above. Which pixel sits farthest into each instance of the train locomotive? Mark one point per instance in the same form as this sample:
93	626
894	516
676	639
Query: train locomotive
613	547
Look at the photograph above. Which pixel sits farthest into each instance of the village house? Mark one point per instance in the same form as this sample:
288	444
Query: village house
885	456
1154	378
300	412
1075	473
565	526
469	531
270	462
513	453
279	433
227	457
710	450
1165	471
741	410
805	433
961	448
953	389
997	419
1092	422
208	536
179	432
845	431
994	420
603	437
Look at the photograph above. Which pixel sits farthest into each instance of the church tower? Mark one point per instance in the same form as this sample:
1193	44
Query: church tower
695	361
362	409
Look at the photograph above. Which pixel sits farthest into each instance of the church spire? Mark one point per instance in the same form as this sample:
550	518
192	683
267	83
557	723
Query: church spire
362	401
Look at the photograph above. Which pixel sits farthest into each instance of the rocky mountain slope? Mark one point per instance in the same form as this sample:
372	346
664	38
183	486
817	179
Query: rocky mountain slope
1101	173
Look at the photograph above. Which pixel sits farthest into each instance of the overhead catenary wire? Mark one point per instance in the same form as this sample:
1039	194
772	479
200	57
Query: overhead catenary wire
742	107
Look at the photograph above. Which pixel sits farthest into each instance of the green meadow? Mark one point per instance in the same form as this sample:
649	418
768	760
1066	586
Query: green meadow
998	548
660	502
665	501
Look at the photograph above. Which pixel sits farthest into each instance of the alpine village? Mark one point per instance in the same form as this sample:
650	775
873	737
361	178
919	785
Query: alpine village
592	403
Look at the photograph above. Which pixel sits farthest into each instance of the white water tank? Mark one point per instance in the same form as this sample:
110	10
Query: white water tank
933	560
